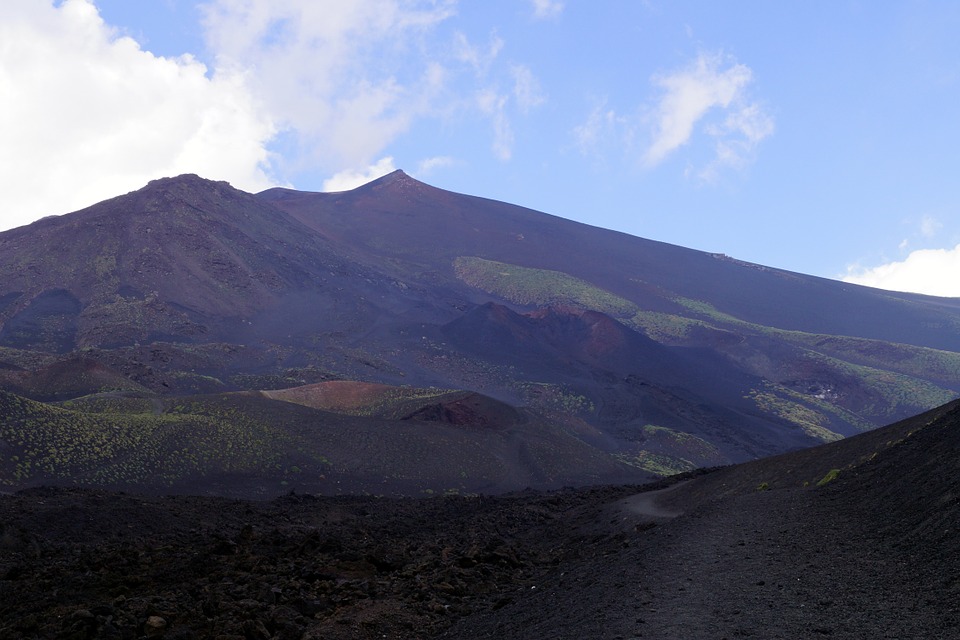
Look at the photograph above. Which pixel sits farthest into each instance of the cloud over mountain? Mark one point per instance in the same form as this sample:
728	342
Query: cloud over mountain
934	272
81	101
711	82
706	101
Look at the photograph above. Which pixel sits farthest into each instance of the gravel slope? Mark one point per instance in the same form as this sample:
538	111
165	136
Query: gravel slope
872	554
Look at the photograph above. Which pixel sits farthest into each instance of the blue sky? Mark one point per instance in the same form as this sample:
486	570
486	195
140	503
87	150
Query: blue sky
817	136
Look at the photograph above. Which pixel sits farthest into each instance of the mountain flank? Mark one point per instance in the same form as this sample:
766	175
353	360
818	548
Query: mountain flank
153	311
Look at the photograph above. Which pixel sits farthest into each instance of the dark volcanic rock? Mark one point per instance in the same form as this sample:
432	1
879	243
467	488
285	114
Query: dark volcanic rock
114	565
867	551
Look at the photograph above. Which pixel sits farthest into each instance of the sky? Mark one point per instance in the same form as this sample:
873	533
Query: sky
817	136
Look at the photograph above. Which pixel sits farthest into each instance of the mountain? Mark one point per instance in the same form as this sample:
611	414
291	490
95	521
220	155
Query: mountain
571	354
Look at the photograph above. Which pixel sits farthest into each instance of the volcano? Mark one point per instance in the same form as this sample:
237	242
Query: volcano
189	307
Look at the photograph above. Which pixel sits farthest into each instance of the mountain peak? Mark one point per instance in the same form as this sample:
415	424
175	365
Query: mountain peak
186	182
184	178
187	193
395	181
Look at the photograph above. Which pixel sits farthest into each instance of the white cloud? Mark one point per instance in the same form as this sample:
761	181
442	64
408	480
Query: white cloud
346	77
706	97
293	87
603	129
351	179
929	226
429	165
546	8
495	106
491	100
526	88
477	58
736	139
711	82
930	271
86	114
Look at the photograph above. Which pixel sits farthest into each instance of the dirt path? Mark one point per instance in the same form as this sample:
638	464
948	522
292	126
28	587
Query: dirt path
648	504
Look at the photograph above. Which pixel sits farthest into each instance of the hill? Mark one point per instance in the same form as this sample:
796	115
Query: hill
249	445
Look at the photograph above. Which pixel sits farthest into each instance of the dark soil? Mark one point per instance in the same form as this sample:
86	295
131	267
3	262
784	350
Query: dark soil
83	564
873	553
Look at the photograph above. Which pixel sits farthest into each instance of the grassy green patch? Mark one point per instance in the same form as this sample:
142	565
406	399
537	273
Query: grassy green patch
26	359
110	404
685	447
118	443
656	463
810	421
665	452
664	327
897	390
908	360
528	286
829	477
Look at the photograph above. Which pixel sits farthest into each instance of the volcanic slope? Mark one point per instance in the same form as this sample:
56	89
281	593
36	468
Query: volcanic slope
248	445
854	539
655	356
866	551
834	358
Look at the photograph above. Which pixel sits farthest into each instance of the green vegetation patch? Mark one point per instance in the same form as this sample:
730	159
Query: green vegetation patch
690	450
362	399
897	390
528	286
665	327
829	477
554	397
810	421
111	404
923	362
666	451
25	359
900	371
656	463
122	447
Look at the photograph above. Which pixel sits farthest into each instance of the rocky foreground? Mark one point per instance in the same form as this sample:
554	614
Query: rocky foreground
856	539
83	564
604	562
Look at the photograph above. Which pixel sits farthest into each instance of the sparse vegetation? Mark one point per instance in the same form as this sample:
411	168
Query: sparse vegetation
541	287
118	441
664	327
657	463
792	410
554	397
901	374
829	477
